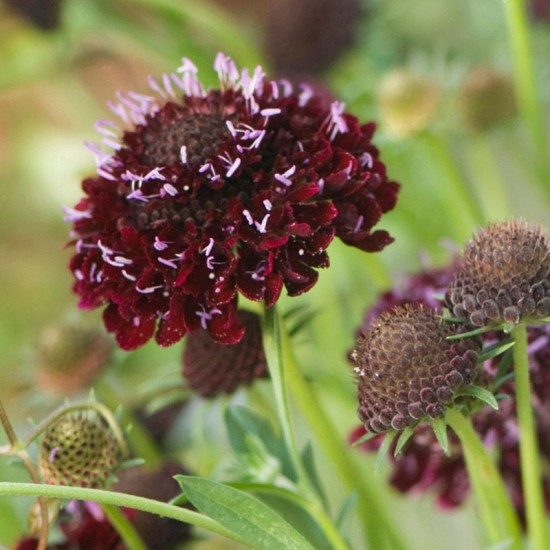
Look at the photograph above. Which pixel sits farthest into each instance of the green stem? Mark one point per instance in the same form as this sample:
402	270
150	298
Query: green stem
499	516
377	527
277	370
526	90
528	444
462	209
123	527
16	449
489	189
118	499
138	438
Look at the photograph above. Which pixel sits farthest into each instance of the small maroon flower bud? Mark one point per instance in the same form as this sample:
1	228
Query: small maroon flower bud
70	356
211	368
79	450
504	277
487	98
407	370
157	533
211	193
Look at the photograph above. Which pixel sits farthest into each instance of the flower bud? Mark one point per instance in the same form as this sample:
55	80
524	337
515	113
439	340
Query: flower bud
79	450
407	370
407	102
504	277
70	356
211	368
487	98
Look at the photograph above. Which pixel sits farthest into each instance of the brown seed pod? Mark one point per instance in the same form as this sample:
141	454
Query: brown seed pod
504	277
407	370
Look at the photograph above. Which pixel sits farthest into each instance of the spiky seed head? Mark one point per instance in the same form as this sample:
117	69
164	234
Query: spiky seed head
504	277
407	370
79	450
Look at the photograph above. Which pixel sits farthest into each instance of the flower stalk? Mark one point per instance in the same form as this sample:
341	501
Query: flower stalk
528	445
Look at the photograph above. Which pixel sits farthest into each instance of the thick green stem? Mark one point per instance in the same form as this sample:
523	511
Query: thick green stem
378	529
277	369
526	89
123	527
118	499
528	445
499	516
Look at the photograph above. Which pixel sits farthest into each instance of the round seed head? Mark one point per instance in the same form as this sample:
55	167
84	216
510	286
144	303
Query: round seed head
211	368
79	450
70	356
407	370
408	102
504	277
487	99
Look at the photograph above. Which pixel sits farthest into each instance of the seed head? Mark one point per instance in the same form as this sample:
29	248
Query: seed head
407	370
70	356
504	277
211	368
487	98
79	450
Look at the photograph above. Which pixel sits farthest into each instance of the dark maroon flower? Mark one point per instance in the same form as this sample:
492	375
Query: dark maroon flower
213	192
211	368
423	465
540	9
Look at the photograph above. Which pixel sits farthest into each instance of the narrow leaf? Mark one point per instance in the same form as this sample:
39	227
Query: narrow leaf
257	524
480	393
365	437
439	427
470	333
403	438
383	451
495	350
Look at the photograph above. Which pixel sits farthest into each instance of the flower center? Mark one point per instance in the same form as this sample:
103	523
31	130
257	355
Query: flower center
174	128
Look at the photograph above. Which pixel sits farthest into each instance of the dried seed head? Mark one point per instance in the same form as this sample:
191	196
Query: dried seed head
79	450
211	368
487	98
408	371
504	277
407	102
70	356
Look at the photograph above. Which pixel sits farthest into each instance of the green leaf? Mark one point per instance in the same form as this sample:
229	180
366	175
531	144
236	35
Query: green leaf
241	422
308	460
403	438
383	451
479	393
496	349
471	333
440	430
349	504
365	437
256	523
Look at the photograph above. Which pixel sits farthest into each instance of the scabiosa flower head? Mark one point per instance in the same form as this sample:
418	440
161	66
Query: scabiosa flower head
213	192
70	356
211	368
79	450
504	277
487	98
407	370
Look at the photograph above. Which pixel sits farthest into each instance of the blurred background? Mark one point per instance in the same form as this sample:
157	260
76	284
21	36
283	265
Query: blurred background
437	77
